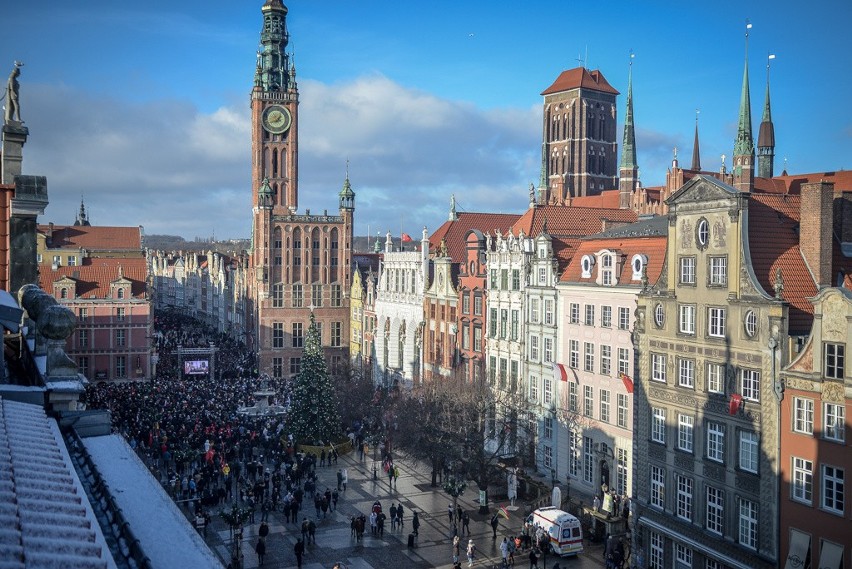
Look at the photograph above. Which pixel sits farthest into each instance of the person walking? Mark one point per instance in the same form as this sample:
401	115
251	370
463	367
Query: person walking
399	512
471	553
456	550
465	523
393	515
345	478
299	550
504	551
415	524
533	558
260	549
495	521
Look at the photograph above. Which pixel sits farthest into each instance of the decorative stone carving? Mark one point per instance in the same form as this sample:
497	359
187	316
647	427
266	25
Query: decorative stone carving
684	462
747	483
685	235
657	452
799	383
832	391
719	234
714	472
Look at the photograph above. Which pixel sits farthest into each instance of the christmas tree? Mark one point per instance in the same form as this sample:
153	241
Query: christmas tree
313	410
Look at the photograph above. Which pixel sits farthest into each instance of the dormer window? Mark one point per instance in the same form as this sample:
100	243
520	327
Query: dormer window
607	278
638	264
586	264
63	293
119	293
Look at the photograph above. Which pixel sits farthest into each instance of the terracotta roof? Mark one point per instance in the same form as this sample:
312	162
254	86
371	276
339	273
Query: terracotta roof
607	198
455	232
580	78
654	247
571	221
92	237
94	276
792	184
778	217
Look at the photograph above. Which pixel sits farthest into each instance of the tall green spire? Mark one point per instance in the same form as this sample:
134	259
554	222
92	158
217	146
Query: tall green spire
744	144
273	63
347	196
628	145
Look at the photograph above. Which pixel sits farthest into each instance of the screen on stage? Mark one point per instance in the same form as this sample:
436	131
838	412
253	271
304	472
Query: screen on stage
196	367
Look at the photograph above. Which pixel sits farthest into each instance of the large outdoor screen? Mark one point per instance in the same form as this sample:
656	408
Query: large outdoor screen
196	367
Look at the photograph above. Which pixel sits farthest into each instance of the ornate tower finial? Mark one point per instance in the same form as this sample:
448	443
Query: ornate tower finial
766	135
779	284
696	151
347	196
453	215
273	62
628	172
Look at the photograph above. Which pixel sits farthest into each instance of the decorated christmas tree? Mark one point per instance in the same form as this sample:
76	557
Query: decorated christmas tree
313	410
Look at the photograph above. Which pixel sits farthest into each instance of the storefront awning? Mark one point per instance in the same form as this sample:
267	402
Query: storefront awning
830	556
800	544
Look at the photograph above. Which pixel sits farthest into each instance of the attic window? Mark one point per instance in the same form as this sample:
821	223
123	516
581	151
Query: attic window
586	265
638	264
119	293
606	270
63	293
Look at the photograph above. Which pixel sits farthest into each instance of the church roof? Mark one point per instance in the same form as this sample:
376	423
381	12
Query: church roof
580	78
92	237
455	231
94	276
792	184
605	199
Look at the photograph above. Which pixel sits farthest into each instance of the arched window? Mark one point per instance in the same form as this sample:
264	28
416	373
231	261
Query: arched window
119	293
274	164
63	293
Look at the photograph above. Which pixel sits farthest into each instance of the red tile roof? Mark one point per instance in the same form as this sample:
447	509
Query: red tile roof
94	276
607	198
773	222
653	247
455	232
92	237
571	221
580	78
792	184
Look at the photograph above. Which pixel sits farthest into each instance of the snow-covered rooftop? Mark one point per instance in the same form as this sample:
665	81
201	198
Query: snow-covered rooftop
165	534
46	520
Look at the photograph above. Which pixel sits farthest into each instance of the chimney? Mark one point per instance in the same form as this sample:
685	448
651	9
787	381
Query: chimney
815	230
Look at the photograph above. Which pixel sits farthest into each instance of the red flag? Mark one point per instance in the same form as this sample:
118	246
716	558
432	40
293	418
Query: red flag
735	403
628	383
560	372
406	237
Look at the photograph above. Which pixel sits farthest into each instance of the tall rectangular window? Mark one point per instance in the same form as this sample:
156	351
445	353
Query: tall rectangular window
504	322
588	400
465	303
623	318
298	338
119	313
715	436
120	367
687	270
748	524
573	396
504	279
658	367
803	480
835	360
718	270
516	279
683	556
465	336
492	323
298	297
803	415
336	296
548	350
477	338
574	313
535	309
533	389
833	489
316	295
658	487
715	515
120	337
621	401
84	314
295	366
277	368
477	304
277	334
515	324
686	319
493	284
533	348
590	315
589	350
834	422
278	295
716	322
548	312
83	338
715	378
574	353
548	390
513	375
336	334
686	372
588	459
548	428
749	451
606	316
685	432
548	456
656	553
83	365
624	361
750	384
605	403
658	425
573	453
504	372
606	360
684	498
621	474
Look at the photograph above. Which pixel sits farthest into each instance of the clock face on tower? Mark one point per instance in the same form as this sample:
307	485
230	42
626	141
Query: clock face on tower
276	119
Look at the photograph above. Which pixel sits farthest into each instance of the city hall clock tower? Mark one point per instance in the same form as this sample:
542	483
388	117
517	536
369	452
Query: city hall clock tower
299	262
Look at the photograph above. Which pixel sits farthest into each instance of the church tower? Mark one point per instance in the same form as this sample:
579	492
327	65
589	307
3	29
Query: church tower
766	137
579	134
300	263
744	143
628	172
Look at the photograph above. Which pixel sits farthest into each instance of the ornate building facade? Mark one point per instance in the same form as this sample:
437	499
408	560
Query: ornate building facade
299	263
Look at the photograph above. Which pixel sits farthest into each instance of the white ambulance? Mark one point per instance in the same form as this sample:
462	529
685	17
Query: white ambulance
563	529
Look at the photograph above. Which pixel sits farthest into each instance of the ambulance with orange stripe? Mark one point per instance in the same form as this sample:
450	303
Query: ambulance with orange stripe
563	529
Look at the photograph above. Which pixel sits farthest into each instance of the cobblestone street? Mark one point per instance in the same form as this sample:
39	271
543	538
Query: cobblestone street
334	541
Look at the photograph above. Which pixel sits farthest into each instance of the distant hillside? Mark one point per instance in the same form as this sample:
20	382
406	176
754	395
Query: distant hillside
178	243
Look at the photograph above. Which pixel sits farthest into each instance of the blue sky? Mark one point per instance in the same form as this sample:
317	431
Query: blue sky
142	108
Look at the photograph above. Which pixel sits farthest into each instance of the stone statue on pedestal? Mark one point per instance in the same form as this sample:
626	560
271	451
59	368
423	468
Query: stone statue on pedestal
13	106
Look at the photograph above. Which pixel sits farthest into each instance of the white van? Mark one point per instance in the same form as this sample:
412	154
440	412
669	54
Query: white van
563	529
